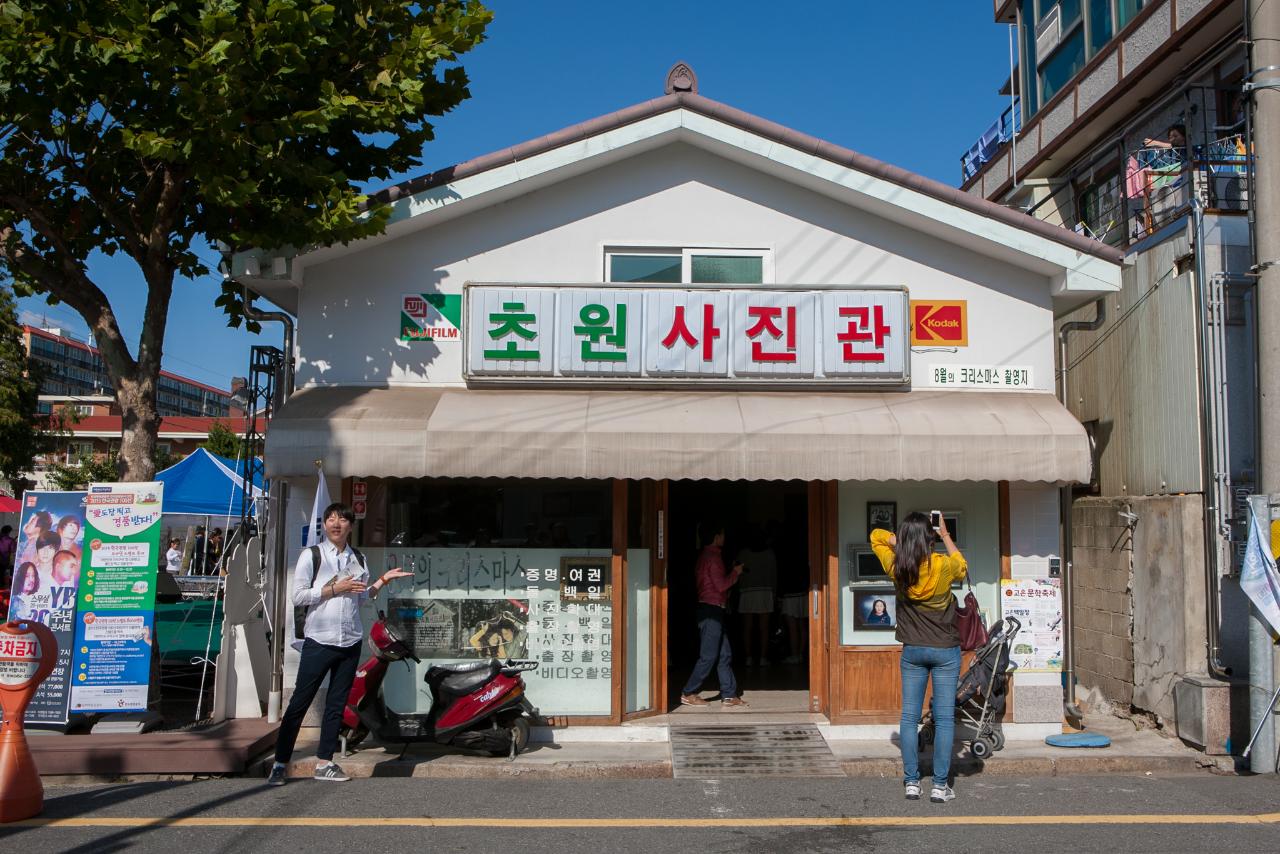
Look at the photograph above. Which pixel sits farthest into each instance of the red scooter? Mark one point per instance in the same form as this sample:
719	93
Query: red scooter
477	706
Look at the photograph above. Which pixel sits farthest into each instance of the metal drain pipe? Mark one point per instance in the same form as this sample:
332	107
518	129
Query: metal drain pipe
277	501
1071	710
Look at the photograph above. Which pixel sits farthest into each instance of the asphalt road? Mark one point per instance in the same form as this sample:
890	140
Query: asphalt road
1035	816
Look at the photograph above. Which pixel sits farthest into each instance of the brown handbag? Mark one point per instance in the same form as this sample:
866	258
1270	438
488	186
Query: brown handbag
969	625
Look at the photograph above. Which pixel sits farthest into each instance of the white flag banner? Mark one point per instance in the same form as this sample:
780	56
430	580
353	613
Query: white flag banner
315	532
1258	578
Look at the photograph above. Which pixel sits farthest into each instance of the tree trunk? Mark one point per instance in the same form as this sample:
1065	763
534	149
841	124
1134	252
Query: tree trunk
141	426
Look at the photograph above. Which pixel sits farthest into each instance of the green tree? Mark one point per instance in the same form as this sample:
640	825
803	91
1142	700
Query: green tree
24	434
158	129
94	469
223	442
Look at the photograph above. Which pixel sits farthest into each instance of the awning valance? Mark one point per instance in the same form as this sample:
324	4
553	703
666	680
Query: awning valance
928	434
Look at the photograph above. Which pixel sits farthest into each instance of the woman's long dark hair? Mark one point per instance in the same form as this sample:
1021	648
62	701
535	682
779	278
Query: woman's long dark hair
915	544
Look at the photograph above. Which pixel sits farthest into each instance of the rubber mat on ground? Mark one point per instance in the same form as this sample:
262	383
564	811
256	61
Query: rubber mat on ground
751	750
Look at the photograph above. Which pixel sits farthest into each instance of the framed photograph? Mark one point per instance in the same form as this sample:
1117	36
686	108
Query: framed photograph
864	564
874	608
882	514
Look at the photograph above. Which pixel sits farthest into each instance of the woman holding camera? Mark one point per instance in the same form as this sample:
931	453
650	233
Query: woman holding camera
926	614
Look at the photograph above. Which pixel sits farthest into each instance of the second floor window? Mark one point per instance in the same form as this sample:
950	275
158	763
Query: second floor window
699	266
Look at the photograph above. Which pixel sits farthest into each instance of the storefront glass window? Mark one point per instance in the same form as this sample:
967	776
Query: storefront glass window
642	532
1127	10
974	510
507	569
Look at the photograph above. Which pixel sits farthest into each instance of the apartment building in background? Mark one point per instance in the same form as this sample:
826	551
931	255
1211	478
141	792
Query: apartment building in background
74	380
1129	122
71	368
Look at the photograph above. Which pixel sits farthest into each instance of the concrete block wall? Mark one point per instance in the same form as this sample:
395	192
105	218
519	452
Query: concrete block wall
1102	567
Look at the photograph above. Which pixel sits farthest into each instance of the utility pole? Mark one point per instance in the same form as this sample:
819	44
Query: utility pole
1263	85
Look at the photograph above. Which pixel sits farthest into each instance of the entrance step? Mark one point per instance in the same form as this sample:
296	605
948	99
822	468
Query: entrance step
751	750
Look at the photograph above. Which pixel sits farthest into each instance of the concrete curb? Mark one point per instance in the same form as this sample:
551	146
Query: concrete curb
1039	766
490	769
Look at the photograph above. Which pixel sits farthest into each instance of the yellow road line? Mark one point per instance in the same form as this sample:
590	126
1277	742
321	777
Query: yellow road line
554	823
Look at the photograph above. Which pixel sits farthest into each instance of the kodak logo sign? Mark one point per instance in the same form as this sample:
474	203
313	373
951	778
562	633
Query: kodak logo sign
939	323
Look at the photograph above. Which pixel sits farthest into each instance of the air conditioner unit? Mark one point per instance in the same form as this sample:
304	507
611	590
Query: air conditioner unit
1048	33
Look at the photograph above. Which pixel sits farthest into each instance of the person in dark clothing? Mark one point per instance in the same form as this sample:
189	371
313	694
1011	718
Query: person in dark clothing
714	584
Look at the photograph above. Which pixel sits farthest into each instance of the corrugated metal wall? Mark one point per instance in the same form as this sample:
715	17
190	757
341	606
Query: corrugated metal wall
1140	383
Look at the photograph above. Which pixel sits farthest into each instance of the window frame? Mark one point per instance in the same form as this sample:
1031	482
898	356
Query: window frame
686	254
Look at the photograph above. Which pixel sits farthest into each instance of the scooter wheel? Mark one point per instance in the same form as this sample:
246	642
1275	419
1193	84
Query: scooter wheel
520	730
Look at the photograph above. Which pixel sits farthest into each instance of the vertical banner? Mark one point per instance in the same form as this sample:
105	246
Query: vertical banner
46	575
114	625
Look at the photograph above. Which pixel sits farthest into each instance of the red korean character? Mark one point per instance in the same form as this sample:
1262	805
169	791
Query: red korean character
765	316
680	331
866	326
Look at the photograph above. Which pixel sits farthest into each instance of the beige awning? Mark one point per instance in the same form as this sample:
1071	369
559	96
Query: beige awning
946	435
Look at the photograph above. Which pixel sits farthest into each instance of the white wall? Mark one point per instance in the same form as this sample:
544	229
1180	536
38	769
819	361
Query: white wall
677	196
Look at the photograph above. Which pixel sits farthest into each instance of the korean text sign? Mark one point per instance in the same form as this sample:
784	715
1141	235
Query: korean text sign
748	336
1037	604
114	627
45	580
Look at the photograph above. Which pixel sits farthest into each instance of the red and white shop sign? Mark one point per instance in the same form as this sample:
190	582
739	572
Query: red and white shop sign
744	335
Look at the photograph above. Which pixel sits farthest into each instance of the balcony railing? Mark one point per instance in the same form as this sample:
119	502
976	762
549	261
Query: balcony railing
985	149
1156	187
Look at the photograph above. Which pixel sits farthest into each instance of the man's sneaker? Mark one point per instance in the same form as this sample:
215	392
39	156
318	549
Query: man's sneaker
912	791
332	772
942	794
277	775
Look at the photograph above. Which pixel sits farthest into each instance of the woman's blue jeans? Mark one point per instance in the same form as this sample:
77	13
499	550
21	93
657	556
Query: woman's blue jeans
918	662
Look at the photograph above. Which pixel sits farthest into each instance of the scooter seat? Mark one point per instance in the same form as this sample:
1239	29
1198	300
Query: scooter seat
462	678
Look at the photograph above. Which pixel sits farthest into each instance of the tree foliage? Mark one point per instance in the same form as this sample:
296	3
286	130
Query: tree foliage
24	435
92	468
149	129
223	442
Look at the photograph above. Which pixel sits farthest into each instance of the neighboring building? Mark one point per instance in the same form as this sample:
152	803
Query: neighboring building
74	380
717	317
96	430
73	369
1135	130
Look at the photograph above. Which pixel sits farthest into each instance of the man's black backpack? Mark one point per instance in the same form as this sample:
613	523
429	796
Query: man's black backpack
300	611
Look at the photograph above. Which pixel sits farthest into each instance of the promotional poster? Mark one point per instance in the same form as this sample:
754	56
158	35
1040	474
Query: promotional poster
46	577
114	625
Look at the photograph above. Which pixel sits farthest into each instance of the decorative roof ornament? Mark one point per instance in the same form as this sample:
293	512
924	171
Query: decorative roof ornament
681	79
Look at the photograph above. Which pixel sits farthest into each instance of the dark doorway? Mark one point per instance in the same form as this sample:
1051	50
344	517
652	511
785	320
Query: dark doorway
758	516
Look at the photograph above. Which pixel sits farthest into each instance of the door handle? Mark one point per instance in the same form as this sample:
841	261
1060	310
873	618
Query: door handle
815	603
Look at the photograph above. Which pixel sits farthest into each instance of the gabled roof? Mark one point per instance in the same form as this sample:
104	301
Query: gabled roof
684	114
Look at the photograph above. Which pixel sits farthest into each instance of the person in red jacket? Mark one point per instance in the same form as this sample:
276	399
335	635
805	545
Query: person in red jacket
714	583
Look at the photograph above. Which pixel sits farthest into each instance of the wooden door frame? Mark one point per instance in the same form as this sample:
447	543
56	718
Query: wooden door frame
823	520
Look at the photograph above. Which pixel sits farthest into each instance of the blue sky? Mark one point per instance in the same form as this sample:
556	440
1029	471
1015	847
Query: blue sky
912	84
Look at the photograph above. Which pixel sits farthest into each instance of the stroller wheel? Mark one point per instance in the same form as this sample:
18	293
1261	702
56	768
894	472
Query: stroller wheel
997	740
925	738
980	748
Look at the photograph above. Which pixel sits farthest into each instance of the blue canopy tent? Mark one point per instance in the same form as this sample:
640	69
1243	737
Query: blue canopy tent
205	484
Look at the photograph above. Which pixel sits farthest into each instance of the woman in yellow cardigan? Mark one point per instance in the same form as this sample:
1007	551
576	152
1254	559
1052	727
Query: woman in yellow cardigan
926	614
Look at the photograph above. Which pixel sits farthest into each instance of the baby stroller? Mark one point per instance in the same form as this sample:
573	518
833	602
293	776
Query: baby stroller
980	694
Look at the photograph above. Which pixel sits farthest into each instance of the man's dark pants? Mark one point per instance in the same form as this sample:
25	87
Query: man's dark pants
713	649
318	660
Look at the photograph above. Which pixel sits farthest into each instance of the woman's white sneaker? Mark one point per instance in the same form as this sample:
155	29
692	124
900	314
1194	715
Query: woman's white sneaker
942	794
912	791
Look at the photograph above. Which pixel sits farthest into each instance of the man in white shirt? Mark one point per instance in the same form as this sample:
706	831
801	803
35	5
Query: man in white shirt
173	557
332	594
